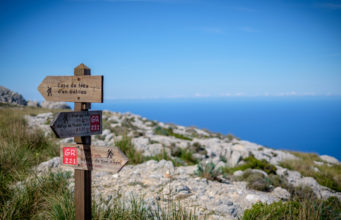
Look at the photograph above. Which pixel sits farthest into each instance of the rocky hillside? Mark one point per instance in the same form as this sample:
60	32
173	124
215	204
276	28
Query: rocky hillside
8	96
210	174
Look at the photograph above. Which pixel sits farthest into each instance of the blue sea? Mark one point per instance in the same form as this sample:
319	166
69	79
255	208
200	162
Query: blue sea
307	124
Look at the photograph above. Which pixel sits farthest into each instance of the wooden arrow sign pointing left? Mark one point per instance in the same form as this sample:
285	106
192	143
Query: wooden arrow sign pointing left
86	157
72	124
72	88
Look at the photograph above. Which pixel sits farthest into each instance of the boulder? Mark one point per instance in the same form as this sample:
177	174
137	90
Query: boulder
8	96
281	193
31	103
55	105
238	173
329	159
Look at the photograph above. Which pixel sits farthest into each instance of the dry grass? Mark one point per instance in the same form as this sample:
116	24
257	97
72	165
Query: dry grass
308	209
327	175
20	148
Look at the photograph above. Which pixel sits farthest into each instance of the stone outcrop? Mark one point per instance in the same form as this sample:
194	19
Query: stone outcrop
31	103
329	159
8	96
54	105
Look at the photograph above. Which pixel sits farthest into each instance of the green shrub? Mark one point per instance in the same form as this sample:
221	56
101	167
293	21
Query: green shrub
252	163
207	171
230	137
161	156
184	155
327	175
31	200
301	193
307	209
196	147
222	158
169	132
127	147
256	181
138	209
128	123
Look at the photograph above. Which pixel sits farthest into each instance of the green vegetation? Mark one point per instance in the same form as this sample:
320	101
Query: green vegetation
230	137
207	171
169	132
327	175
37	199
184	155
303	203
127	147
128	123
48	197
196	147
20	148
296	210
137	209
222	158
260	182
162	156
252	163
181	157
256	181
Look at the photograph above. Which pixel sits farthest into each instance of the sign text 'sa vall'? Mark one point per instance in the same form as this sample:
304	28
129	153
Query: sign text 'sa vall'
72	88
71	124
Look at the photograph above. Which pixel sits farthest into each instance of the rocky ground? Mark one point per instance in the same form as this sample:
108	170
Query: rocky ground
158	182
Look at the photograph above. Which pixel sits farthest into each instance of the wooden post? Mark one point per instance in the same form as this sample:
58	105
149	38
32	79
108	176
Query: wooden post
83	177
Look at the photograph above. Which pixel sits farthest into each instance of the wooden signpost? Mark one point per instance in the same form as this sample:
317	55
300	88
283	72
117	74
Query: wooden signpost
80	124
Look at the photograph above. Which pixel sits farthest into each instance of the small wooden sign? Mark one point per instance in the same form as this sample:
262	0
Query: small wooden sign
86	157
71	124
72	88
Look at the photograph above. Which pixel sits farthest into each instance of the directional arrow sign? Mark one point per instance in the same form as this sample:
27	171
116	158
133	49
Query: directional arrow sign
71	124
86	157
72	88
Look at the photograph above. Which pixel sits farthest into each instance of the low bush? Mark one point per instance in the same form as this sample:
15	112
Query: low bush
34	199
252	163
307	209
169	132
326	175
256	181
127	147
230	137
184	155
207	171
260	182
196	147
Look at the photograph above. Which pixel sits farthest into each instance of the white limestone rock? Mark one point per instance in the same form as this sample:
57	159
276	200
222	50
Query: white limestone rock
54	105
329	159
281	193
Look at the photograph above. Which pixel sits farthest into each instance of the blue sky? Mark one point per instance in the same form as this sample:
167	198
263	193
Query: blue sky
175	48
